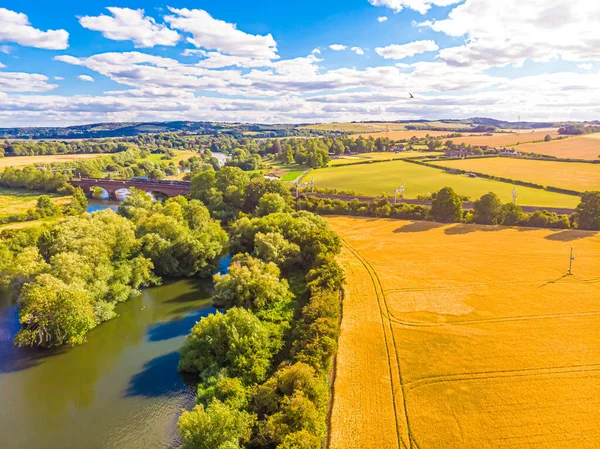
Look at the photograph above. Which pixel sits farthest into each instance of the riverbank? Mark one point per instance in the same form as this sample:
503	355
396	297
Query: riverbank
119	390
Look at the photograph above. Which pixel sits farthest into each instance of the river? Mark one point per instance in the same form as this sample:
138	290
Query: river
119	390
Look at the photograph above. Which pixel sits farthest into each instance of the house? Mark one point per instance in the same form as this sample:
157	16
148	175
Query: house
456	153
506	152
399	149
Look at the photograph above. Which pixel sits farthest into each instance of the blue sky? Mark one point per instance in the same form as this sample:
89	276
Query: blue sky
311	61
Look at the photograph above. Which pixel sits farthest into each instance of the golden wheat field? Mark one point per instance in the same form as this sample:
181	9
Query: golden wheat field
579	176
585	147
463	336
23	161
506	138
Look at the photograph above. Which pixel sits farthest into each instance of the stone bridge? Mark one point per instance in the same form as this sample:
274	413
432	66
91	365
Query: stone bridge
166	188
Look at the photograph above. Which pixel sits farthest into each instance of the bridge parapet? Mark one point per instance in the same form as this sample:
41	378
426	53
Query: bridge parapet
166	187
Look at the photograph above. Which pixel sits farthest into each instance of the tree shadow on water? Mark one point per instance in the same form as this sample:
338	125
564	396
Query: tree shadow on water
177	327
570	235
418	226
158	377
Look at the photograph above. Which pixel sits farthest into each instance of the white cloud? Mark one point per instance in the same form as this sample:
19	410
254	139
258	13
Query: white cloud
316	51
24	82
337	47
406	50
15	27
2	66
131	25
586	66
382	19
358	50
421	6
541	30
213	34
59	78
86	78
6	49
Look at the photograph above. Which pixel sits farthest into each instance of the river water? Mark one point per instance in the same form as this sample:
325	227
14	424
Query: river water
120	390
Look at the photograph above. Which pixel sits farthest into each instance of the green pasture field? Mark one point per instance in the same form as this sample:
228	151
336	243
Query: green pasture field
15	201
375	179
347	159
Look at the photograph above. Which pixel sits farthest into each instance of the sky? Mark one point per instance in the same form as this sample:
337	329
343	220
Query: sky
75	62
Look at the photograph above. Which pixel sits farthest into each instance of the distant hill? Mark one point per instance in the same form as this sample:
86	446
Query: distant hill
129	129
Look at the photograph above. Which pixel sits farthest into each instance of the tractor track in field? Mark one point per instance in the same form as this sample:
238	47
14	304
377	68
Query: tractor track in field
502	374
385	317
409	323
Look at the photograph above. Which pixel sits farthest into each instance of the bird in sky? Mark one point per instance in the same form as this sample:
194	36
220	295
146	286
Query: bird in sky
411	95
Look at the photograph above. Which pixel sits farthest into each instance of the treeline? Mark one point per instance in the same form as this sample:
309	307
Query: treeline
577	130
70	275
40	148
124	165
447	207
263	362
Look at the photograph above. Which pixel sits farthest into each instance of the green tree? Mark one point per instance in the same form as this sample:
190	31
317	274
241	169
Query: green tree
254	285
446	206
273	247
271	203
548	138
79	203
236	344
488	210
215	427
512	214
54	313
588	211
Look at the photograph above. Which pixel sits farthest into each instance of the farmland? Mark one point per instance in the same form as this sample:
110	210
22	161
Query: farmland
584	147
375	179
24	161
179	156
463	336
13	201
505	139
379	157
403	135
567	175
377	127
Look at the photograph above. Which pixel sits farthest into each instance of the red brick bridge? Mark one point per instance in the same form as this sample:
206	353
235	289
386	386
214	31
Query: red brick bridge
166	188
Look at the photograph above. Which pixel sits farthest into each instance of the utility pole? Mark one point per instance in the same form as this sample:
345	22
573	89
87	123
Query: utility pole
514	194
571	259
399	190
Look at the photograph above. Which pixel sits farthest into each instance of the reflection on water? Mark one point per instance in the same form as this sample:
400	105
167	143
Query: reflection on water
119	390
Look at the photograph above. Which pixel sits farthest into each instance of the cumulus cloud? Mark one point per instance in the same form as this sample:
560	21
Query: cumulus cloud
542	30
131	25
421	6
586	66
2	66
59	78
15	27
337	47
316	51
382	19
213	34
24	82
358	50
6	49
406	50
86	78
